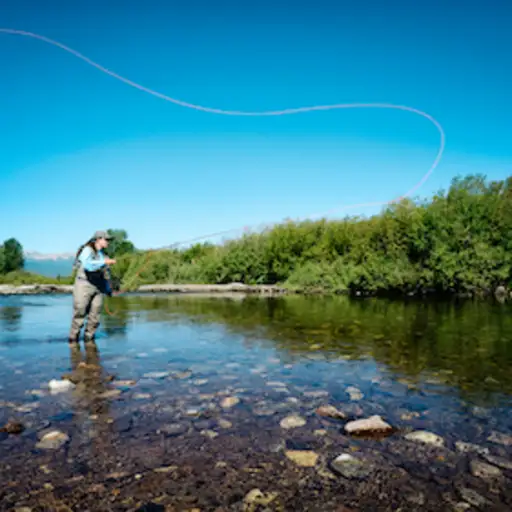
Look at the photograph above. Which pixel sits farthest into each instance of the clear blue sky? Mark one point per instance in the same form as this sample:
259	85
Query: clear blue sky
81	151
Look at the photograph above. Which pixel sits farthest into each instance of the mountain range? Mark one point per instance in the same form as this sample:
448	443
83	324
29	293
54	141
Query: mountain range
49	265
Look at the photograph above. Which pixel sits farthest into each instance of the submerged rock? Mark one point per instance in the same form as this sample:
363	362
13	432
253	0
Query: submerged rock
303	458
292	421
60	386
354	393
473	498
423	436
372	425
53	440
330	411
349	467
229	402
498	461
500	438
484	470
156	375
255	499
172	429
463	447
13	427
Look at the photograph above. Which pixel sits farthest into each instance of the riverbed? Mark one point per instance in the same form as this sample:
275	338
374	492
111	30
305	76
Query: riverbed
245	403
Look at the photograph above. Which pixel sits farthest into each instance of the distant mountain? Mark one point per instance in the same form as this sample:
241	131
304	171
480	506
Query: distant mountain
49	265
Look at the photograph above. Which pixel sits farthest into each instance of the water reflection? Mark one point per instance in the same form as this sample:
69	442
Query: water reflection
462	344
10	317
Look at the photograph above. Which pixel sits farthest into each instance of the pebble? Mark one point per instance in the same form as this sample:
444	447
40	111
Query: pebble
354	393
498	461
303	458
60	386
200	382
53	440
209	433
224	423
484	470
255	499
464	447
229	402
111	393
292	421
125	383
330	411
156	375
373	424
473	498
423	436
500	438
349	467
13	427
316	394
172	429
141	396
181	375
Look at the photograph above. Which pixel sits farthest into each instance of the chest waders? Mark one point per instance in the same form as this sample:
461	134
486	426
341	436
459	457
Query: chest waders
88	291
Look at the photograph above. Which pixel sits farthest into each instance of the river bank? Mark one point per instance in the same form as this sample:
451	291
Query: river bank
53	289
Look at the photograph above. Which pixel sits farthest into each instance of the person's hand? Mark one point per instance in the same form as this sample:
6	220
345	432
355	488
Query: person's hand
109	261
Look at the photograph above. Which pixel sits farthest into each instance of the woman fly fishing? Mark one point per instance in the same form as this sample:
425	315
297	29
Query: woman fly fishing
91	283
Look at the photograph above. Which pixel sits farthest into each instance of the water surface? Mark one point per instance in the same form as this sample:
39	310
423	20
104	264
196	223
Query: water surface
148	423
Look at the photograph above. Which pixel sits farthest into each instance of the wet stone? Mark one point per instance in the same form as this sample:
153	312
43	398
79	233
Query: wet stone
372	425
329	411
229	402
52	440
256	498
350	467
463	447
303	458
483	470
423	436
473	498
292	421
500	438
173	429
156	375
354	393
13	427
498	461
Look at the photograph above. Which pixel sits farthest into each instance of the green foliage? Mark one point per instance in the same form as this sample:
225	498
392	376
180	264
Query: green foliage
458	241
21	277
11	256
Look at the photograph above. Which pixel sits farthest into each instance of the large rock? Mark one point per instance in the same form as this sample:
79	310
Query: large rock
423	436
372	425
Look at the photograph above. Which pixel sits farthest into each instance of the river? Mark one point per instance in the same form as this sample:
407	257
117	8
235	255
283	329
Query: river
217	404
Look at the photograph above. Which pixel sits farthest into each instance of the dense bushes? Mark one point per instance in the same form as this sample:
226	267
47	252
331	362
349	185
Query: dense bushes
459	241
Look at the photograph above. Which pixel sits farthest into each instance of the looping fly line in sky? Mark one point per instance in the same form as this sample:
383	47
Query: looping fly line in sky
289	111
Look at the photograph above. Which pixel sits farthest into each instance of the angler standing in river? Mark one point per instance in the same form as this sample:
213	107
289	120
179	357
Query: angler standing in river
91	283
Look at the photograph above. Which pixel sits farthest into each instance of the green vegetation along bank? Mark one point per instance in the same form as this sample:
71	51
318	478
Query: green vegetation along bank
459	241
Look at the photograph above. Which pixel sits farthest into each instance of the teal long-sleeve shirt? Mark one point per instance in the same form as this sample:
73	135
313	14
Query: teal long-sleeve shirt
90	261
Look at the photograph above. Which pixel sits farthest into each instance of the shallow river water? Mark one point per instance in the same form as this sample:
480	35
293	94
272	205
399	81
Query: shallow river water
189	403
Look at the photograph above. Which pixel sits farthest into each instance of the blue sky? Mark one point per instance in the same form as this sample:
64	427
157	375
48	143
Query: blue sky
82	151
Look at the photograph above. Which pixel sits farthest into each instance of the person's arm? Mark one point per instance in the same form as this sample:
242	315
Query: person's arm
90	264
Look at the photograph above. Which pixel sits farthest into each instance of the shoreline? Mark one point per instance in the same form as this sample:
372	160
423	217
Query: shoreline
501	294
54	289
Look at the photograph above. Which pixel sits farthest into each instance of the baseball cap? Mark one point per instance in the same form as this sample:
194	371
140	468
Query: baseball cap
101	234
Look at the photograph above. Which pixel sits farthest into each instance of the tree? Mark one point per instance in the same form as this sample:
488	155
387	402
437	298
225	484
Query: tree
2	260
119	244
12	256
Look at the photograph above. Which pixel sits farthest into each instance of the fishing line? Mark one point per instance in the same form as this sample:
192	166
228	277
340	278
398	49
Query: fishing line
288	111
